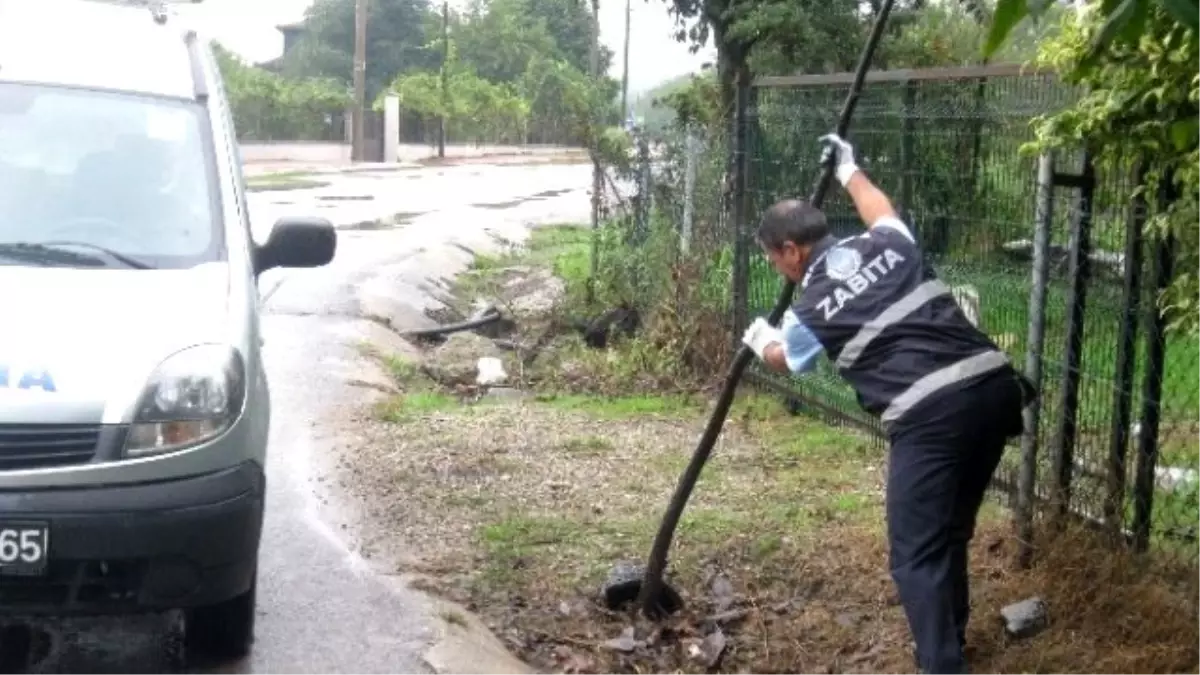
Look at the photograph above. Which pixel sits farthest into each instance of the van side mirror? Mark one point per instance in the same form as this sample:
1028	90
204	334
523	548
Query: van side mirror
297	241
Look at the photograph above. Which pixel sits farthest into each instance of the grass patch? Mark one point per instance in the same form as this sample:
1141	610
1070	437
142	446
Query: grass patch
406	372
788	510
407	407
454	618
559	249
283	180
622	407
588	446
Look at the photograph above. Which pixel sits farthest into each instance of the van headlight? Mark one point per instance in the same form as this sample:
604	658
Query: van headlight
192	396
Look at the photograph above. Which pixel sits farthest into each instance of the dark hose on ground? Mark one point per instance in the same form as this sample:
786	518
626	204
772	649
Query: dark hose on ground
651	597
469	324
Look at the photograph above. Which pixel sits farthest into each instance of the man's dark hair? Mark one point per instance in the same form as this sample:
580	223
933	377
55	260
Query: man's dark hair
792	220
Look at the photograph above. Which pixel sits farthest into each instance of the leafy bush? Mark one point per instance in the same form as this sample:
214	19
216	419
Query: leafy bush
267	106
1142	100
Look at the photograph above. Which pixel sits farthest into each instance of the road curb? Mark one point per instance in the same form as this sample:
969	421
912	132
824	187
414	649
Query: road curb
465	645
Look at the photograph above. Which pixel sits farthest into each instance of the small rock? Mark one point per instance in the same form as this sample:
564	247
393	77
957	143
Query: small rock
504	393
623	584
847	619
729	616
541	292
455	361
709	650
1025	618
625	642
575	662
722	591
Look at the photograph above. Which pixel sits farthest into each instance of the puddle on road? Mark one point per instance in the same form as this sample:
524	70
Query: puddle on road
552	193
387	223
148	643
545	194
501	205
346	198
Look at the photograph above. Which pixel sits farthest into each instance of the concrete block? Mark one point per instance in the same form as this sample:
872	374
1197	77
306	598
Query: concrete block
1026	618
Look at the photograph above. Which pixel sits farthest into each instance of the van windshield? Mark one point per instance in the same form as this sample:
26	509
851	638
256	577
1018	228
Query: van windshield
100	179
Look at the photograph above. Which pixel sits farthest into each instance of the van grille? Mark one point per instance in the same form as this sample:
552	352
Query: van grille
33	446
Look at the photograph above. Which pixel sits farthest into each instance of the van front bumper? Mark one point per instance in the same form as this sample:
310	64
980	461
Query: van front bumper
131	548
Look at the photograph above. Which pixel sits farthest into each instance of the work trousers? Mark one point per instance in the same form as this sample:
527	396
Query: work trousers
943	454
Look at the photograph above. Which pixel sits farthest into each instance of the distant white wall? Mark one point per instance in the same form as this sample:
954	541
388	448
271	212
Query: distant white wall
334	154
301	152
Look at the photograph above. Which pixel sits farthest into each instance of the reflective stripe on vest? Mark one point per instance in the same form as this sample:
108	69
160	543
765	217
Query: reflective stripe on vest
956	372
901	308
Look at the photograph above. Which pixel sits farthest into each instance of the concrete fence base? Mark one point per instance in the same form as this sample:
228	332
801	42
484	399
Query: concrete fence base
338	154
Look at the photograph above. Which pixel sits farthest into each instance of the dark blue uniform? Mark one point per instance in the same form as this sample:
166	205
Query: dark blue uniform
948	399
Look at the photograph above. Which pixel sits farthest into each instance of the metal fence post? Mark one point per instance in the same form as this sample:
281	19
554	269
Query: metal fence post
1156	347
691	146
642	215
907	156
1114	515
741	249
1063	458
1034	345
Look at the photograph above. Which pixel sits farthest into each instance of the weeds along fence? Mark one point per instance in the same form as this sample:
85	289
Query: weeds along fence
664	246
1046	254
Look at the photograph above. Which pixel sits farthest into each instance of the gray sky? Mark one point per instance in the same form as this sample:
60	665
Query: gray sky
248	28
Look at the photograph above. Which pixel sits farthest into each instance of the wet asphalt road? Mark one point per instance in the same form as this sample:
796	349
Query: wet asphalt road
322	607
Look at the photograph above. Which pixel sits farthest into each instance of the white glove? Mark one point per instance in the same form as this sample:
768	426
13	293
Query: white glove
760	334
843	157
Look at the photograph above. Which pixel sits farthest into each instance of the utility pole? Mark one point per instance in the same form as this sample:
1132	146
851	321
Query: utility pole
445	77
594	140
358	116
625	75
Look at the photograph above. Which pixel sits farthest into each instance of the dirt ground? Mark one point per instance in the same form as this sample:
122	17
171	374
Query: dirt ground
517	503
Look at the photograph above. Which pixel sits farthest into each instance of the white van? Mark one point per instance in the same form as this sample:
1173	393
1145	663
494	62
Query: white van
133	403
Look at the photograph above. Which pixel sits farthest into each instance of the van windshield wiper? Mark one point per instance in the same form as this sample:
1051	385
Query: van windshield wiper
53	252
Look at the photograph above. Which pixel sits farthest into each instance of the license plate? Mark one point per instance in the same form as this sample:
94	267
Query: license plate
24	548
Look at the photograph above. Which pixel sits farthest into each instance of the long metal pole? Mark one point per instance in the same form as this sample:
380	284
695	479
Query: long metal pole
625	74
652	584
1062	457
593	140
1152	383
1118	439
445	77
1034	346
358	115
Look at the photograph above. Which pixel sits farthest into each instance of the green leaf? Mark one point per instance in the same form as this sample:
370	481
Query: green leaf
1135	25
1113	25
1186	12
1185	133
1121	18
1007	15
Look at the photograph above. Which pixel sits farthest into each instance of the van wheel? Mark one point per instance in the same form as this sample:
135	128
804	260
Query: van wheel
223	631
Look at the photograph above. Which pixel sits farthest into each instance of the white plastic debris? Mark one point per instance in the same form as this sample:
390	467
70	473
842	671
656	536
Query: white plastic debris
1173	478
491	371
